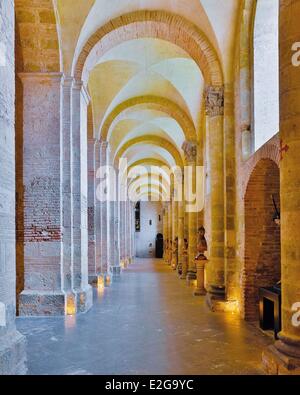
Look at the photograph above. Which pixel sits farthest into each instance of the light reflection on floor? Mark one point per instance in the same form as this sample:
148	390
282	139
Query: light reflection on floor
146	322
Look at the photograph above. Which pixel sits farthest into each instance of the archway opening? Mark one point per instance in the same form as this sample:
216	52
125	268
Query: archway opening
150	226
262	236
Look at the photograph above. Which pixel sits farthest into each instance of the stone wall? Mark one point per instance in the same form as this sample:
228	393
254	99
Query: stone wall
37	33
12	343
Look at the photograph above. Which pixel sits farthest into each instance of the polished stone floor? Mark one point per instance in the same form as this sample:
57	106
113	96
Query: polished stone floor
147	322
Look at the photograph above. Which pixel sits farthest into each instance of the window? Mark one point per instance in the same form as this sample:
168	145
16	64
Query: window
266	71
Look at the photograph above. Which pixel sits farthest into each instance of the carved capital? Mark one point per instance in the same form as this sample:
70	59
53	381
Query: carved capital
214	97
190	151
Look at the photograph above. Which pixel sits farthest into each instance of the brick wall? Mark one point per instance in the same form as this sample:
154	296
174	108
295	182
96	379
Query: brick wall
262	235
39	223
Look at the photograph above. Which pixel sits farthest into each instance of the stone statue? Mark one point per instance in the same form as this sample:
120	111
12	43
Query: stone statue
201	245
184	267
166	250
170	252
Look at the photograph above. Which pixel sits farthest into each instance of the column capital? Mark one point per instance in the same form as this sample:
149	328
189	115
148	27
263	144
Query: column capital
67	81
190	151
214	99
179	176
79	86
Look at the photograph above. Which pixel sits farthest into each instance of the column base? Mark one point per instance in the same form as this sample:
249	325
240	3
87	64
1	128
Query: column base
184	269
191	276
215	298
39	303
93	279
200	289
84	299
13	354
200	292
115	270
179	270
277	363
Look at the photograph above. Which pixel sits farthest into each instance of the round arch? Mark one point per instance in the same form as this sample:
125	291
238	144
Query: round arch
148	162
148	189
152	103
163	184
152	194
152	140
159	24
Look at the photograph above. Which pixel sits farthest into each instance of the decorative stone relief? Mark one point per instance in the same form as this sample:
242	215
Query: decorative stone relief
190	151
214	101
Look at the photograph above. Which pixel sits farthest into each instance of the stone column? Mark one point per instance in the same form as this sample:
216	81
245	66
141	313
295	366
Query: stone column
66	185
41	204
185	255
114	246
105	213
132	221
122	230
215	141
174	230
284	358
116	268
180	233
128	234
98	213
117	264
190	150
82	292
92	148
170	232
94	212
165	228
12	343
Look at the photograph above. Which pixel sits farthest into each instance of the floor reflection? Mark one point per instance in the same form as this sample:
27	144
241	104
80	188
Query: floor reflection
146	322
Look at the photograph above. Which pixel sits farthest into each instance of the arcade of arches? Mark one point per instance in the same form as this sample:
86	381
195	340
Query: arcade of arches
158	85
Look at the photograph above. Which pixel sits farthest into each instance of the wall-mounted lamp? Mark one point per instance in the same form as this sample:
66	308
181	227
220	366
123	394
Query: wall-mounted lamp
70	305
276	216
100	283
